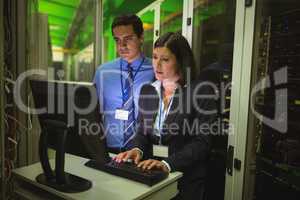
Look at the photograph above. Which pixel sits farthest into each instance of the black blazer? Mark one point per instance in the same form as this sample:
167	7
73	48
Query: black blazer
186	129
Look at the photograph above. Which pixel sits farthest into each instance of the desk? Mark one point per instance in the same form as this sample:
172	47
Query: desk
105	186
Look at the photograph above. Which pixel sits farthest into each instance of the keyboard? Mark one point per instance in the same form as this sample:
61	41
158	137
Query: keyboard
130	171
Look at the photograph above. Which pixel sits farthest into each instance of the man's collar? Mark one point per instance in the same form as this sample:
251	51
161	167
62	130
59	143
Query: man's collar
135	64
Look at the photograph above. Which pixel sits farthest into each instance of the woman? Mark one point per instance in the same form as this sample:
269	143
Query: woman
170	113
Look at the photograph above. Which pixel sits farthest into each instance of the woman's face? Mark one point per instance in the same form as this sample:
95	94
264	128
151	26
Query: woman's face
165	64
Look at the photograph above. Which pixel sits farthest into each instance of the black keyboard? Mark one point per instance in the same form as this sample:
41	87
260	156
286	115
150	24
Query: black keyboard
130	171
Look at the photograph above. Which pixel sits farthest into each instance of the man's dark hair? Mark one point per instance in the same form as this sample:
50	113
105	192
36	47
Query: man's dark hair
129	19
180	47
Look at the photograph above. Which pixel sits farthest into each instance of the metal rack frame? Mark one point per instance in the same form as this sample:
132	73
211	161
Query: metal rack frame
2	144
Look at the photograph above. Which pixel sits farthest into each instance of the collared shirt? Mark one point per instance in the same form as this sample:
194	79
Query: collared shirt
161	116
162	111
109	90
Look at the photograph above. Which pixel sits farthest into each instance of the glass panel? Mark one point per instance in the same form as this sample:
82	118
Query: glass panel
109	52
273	149
213	37
148	23
71	39
82	67
80	57
171	16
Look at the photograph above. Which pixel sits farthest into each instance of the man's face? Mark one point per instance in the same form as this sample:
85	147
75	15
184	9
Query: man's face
128	43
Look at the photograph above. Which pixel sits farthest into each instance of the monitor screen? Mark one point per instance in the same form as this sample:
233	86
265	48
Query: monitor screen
75	104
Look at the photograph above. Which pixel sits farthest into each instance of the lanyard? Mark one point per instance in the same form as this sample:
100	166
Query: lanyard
121	75
162	114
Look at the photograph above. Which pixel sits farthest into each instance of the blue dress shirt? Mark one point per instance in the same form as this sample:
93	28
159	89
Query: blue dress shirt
109	90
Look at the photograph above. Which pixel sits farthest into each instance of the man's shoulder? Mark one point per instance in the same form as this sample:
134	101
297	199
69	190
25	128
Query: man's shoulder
109	65
147	65
148	88
147	61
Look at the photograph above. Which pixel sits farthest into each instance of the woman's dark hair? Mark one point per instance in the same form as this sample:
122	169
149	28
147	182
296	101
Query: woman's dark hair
129	19
180	47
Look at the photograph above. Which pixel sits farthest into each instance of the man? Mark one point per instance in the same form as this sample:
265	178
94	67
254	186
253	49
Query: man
119	82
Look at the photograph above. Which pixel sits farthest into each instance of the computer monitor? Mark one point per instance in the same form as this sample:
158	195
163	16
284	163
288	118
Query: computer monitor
70	122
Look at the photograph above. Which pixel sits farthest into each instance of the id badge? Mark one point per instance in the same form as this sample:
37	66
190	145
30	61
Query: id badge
121	114
160	150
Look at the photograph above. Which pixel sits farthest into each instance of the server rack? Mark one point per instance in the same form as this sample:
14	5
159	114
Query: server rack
273	168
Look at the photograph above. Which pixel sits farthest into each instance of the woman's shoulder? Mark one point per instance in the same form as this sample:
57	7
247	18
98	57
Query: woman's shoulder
148	88
203	87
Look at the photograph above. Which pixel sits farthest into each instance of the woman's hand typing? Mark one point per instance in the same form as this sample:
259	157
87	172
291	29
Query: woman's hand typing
153	164
133	154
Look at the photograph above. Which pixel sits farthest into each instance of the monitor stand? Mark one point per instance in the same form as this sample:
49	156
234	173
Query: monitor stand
59	180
